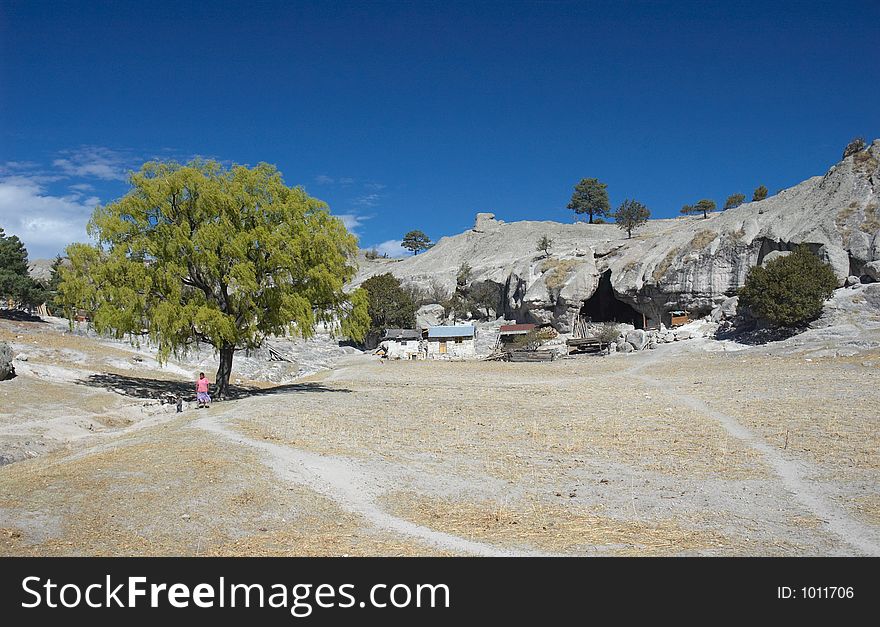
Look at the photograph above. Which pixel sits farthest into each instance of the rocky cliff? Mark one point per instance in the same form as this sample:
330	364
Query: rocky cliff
684	263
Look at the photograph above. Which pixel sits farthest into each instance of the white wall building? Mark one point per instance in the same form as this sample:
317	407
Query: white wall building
401	343
452	342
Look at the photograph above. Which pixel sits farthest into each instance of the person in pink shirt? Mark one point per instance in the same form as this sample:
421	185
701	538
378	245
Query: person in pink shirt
202	391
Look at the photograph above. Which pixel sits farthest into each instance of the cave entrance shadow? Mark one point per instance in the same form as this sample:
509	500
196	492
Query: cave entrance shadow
604	306
164	389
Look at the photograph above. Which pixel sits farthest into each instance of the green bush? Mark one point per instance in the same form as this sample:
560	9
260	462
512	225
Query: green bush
790	290
609	333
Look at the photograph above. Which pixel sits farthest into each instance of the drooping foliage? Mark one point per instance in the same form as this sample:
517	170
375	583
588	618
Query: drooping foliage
201	253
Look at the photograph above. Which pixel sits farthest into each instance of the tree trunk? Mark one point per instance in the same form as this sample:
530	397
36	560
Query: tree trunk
223	372
591	217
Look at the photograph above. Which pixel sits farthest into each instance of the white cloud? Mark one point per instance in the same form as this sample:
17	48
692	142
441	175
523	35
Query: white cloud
82	187
352	221
45	223
95	162
392	248
323	179
375	186
367	200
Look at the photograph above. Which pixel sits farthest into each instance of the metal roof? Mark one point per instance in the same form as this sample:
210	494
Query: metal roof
456	331
401	334
516	328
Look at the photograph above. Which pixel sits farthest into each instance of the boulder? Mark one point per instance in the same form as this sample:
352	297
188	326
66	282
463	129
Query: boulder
872	269
682	334
429	316
774	254
638	338
624	347
853	280
484	222
729	306
7	370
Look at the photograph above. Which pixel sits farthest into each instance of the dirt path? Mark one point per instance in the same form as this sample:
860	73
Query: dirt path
350	486
809	494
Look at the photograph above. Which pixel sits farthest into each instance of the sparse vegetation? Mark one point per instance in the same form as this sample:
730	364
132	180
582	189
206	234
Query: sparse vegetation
663	267
855	145
544	245
871	223
704	206
374	253
556	271
486	297
609	333
734	201
759	194
702	238
631	215
463	276
865	162
790	290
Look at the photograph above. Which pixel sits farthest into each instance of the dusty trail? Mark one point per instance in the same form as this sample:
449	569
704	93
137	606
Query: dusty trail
353	488
793	473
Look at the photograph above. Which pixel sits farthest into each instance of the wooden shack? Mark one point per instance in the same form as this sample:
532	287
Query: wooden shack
678	318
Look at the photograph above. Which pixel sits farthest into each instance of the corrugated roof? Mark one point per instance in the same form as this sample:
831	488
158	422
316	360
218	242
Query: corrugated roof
517	328
401	334
450	331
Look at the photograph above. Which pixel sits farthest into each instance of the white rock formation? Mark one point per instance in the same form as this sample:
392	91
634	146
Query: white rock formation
683	263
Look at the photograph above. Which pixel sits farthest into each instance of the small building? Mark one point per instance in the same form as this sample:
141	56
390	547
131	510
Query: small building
452	342
678	318
401	343
510	332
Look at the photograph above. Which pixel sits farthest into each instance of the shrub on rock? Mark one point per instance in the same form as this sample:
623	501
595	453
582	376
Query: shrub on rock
789	291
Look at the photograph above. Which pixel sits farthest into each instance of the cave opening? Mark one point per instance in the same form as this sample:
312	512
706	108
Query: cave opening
604	306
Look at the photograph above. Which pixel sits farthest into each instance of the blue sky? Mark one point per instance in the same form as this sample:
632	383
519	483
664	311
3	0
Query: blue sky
418	115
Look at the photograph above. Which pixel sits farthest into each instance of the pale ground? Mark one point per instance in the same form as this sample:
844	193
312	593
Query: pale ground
690	449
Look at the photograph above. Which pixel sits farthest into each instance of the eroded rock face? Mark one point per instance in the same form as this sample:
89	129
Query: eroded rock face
684	263
7	370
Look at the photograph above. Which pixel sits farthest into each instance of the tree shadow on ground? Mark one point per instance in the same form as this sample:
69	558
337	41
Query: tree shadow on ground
163	389
17	315
751	335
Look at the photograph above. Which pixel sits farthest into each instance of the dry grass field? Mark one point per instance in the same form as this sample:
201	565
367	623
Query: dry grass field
676	451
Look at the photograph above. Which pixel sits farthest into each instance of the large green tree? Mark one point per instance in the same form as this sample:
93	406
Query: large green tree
390	306
16	284
631	215
591	197
790	290
416	241
199	253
